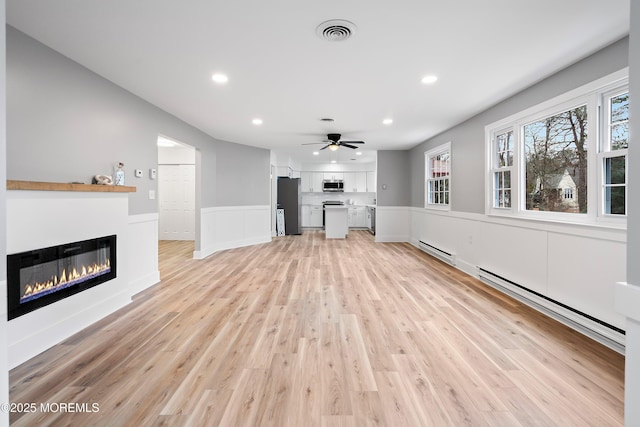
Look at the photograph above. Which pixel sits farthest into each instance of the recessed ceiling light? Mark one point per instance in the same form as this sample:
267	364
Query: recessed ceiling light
359	153
219	78
387	121
333	161
429	79
315	153
256	122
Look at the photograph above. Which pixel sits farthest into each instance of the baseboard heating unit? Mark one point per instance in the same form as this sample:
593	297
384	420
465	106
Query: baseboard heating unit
606	334
448	257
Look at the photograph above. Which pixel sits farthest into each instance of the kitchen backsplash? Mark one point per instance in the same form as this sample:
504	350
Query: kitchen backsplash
347	198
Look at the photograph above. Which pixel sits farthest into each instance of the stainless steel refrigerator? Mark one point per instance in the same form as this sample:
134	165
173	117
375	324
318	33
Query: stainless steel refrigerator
289	198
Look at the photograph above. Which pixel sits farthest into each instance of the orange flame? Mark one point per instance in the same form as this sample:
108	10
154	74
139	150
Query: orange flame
54	282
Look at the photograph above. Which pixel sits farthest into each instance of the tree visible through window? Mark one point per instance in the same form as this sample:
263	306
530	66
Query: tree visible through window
556	159
615	155
565	159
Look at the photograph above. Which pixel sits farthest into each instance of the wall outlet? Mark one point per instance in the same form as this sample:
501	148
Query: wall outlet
138	173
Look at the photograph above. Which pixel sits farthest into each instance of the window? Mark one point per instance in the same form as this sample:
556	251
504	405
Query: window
438	177
564	159
503	165
613	158
556	157
568	193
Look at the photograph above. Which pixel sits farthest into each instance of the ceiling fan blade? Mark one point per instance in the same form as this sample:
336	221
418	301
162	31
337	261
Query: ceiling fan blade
348	145
325	146
354	142
312	143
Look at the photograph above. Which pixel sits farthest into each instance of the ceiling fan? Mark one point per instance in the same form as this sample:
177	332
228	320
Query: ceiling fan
334	142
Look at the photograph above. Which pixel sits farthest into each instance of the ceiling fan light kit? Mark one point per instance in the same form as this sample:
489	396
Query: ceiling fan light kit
334	142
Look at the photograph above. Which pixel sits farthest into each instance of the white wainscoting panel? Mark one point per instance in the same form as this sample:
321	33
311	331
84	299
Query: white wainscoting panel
143	251
393	223
514	253
39	219
229	227
583	273
575	265
452	235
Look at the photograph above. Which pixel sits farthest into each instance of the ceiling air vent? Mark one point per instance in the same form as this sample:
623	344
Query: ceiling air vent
336	30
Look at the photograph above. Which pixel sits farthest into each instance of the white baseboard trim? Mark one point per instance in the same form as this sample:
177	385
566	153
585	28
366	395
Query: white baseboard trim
203	253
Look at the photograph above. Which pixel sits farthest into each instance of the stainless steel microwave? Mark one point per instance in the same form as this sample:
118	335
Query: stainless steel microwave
335	186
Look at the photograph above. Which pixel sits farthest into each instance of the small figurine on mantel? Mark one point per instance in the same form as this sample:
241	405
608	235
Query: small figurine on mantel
102	180
119	174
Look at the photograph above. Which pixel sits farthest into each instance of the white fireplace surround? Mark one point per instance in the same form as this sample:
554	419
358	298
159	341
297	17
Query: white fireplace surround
39	219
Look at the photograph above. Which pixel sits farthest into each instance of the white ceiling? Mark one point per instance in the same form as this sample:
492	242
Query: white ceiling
281	71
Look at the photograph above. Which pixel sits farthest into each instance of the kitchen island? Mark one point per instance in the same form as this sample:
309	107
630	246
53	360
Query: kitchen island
336	224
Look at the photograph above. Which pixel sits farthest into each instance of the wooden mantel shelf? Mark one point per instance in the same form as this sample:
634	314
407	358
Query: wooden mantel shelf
62	186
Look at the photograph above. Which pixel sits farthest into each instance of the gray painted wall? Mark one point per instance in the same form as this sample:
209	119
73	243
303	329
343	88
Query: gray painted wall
243	173
394	174
467	138
66	123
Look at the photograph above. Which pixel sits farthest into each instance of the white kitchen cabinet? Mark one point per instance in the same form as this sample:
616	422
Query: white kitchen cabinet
351	217
355	182
333	176
371	182
316	181
361	182
305	182
311	182
306	215
285	171
357	216
361	218
315	216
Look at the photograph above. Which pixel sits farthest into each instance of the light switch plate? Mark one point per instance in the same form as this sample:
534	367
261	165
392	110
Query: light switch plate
138	173
152	173
152	194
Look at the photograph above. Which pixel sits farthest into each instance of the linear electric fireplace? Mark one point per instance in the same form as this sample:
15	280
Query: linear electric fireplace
43	276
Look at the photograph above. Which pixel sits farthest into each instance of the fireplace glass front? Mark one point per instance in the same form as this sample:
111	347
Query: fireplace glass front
41	277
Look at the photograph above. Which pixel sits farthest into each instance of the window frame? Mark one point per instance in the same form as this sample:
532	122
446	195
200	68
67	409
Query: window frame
590	95
497	169
428	155
605	152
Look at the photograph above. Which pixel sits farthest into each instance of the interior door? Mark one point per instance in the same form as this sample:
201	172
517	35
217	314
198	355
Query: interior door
176	198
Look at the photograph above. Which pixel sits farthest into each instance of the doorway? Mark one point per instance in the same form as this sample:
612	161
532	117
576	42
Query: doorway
176	190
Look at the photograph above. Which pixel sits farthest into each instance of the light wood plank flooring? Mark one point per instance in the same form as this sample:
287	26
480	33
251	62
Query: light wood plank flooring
308	332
